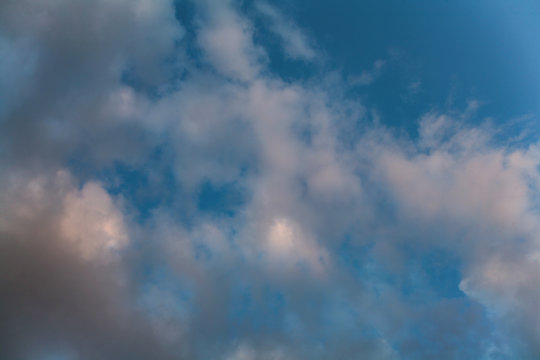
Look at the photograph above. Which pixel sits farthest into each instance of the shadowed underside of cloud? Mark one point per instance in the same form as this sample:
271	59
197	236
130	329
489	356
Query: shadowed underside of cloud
166	195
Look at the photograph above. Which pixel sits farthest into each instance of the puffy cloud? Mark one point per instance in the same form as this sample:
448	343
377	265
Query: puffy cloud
91	221
53	299
227	40
482	199
288	247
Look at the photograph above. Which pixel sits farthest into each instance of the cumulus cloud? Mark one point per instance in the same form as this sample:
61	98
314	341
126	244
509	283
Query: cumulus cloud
288	246
92	222
482	199
53	300
166	195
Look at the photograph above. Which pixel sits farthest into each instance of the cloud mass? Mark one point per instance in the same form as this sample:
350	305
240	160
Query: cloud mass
201	180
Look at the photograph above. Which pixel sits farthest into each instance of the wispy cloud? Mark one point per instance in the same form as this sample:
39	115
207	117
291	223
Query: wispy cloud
295	42
367	77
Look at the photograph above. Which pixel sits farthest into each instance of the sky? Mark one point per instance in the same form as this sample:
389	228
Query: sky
269	179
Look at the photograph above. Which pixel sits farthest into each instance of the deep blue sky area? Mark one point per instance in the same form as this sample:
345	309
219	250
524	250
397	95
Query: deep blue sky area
456	50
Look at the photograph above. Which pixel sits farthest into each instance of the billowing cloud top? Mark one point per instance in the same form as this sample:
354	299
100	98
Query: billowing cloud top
215	180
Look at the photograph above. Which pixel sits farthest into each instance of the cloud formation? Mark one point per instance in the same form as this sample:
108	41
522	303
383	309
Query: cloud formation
167	195
295	43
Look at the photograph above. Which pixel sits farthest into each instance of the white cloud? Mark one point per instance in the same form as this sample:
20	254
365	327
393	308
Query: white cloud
289	247
227	41
482	201
458	181
92	222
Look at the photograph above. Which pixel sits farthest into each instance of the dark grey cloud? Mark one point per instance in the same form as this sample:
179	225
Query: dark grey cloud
53	301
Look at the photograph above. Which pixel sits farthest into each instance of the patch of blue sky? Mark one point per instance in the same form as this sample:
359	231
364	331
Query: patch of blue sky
256	307
185	12
145	185
438	55
435	269
422	275
154	90
220	199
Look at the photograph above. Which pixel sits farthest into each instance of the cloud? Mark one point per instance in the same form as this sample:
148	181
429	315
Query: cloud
91	221
481	198
53	299
367	77
287	246
350	239
295	43
227	41
106	40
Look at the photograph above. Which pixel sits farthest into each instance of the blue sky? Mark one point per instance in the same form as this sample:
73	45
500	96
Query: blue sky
274	180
